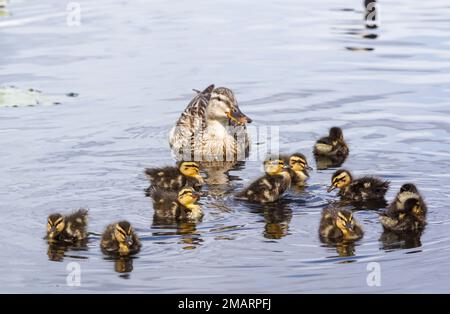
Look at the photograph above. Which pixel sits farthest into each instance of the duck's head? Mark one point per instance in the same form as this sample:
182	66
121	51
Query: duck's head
340	179
191	169
408	187
55	225
223	106
188	197
345	222
298	162
336	133
274	166
123	232
412	205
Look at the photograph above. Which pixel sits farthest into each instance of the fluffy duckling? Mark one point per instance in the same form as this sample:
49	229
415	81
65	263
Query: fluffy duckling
332	145
187	173
70	228
358	190
299	169
181	207
270	187
212	127
339	225
407	213
119	238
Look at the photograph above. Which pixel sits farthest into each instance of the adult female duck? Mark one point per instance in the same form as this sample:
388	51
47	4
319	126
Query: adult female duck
211	128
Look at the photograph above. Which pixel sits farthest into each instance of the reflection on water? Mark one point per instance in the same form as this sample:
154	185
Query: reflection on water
57	250
326	162
394	241
189	237
343	248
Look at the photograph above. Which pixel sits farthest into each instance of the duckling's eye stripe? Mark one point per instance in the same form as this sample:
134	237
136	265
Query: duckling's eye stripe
192	166
185	192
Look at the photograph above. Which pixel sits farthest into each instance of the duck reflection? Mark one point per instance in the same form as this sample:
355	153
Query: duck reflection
277	217
123	265
343	248
57	250
189	236
393	241
326	162
218	176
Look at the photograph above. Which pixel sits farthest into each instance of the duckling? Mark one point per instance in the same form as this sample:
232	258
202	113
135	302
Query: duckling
407	213
299	169
338	224
332	145
187	173
120	239
270	187
359	190
181	207
212	127
70	228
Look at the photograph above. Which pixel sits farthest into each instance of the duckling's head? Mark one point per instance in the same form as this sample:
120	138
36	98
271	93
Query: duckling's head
124	233
298	162
223	106
412	205
274	166
55	225
188	197
408	187
336	133
340	179
191	169
345	222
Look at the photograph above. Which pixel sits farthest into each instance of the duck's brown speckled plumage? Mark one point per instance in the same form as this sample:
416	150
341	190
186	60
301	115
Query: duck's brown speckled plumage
73	226
407	213
200	137
168	209
270	187
363	189
332	145
171	178
112	246
331	229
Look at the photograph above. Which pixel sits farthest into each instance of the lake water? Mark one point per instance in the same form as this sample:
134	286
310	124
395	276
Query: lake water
302	66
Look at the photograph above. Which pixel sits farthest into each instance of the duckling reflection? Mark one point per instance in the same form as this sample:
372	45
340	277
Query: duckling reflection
189	236
123	265
57	250
343	248
326	162
277	220
332	150
393	240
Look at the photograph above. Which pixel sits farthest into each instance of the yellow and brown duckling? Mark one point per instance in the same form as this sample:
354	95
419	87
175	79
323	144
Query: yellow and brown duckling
270	187
339	225
70	228
176	207
407	213
358	190
187	173
298	169
332	145
120	239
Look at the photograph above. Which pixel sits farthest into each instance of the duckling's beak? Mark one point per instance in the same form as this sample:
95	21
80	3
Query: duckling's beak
238	116
195	196
286	167
349	226
331	188
309	168
129	240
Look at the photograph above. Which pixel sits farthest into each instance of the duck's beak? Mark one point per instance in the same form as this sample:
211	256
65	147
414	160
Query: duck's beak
129	240
195	196
238	116
331	188
309	168
286	167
